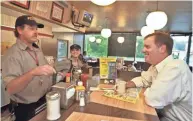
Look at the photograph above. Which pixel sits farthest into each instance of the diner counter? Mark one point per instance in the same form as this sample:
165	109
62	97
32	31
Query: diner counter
102	108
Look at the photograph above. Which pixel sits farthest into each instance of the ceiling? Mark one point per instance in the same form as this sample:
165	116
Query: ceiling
129	16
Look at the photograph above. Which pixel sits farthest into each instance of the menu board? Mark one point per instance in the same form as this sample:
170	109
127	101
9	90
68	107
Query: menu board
108	68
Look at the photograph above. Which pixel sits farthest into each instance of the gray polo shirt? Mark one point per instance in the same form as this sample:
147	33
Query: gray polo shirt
17	61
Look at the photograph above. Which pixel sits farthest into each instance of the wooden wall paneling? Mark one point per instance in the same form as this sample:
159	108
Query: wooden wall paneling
7	20
67	13
7	36
23	11
7	40
46	30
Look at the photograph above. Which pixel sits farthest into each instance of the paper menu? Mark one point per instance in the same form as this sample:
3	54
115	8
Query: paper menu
108	68
131	95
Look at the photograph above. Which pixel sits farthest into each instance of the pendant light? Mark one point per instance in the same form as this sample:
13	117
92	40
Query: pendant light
106	32
98	40
92	39
120	39
145	30
103	2
157	19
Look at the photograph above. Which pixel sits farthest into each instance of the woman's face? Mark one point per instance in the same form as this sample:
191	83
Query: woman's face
75	53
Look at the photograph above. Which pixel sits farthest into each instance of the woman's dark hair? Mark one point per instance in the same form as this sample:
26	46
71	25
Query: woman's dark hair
81	58
84	53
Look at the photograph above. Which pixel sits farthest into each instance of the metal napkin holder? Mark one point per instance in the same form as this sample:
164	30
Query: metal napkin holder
67	92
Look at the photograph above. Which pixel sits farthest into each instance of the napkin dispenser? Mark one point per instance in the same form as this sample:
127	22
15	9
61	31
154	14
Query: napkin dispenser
67	92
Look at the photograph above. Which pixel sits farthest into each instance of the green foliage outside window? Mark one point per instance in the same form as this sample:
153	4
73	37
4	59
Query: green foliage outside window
94	49
139	47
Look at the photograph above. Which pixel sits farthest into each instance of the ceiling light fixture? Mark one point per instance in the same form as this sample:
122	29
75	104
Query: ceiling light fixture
106	32
98	40
120	39
92	39
157	19
103	2
146	30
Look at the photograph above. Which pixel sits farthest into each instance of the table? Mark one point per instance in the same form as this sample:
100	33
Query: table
102	108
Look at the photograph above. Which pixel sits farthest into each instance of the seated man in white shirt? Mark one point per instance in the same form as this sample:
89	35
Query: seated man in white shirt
168	81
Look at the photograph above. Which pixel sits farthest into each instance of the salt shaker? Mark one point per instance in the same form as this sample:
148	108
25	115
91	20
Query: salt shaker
82	101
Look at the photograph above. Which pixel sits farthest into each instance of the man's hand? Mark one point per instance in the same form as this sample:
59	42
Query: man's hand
130	84
43	70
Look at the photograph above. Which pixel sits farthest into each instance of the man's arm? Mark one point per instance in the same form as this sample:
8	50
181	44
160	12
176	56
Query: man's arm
131	84
142	81
19	83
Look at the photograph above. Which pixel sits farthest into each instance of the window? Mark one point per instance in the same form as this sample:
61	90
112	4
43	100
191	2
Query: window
78	39
180	47
139	56
191	54
95	49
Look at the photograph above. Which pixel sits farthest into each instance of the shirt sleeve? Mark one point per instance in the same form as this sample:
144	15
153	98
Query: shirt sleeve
11	69
165	89
144	80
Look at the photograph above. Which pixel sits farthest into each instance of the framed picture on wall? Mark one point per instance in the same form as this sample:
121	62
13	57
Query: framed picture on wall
57	12
24	4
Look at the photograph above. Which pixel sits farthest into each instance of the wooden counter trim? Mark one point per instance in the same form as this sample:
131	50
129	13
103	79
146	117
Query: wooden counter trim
105	110
102	110
139	106
77	116
13	29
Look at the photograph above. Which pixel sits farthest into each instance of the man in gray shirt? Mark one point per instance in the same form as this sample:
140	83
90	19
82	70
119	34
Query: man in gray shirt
25	71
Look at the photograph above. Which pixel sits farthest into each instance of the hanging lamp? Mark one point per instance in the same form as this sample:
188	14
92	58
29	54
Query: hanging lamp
145	30
157	19
103	2
106	32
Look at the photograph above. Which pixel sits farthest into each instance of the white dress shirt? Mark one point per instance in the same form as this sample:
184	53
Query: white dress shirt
169	87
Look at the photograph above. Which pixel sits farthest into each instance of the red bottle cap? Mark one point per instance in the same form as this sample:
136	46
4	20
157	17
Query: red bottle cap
68	74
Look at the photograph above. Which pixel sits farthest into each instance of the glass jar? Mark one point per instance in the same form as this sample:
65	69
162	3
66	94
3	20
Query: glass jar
53	105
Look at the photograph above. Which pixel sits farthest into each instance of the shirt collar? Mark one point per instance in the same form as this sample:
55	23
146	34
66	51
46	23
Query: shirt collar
160	65
23	46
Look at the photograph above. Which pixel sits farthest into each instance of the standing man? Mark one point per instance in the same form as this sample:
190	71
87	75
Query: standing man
25	71
168	81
